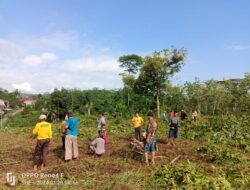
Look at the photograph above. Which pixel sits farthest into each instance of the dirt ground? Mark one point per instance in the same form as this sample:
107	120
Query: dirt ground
88	171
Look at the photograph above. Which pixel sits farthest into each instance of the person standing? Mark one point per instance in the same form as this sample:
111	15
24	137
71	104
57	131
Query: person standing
194	115
137	122
71	147
173	129
172	114
150	146
63	132
164	116
101	127
43	132
184	121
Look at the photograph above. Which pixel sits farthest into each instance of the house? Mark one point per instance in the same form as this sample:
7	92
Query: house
2	105
27	101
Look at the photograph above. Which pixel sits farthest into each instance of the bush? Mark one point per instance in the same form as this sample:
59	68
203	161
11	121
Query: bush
219	154
23	119
187	176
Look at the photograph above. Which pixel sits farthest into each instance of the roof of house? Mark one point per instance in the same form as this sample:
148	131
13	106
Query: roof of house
2	102
23	100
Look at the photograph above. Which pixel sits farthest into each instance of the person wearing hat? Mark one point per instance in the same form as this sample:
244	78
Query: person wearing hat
71	147
43	132
150	146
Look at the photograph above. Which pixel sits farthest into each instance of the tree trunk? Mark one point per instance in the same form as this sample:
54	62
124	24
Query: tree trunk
89	111
158	103
214	106
128	98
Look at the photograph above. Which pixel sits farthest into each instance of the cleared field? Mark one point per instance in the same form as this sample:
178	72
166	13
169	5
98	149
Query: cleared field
199	163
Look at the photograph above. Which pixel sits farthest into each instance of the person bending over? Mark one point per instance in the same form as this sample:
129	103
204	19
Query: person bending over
97	146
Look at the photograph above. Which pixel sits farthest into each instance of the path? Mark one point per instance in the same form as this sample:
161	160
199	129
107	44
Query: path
11	114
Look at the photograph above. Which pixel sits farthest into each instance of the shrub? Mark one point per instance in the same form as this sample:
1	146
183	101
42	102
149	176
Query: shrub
187	176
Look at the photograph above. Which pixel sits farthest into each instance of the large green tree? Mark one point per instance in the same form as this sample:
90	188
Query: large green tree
156	70
131	64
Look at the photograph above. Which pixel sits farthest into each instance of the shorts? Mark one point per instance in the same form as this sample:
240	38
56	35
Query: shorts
173	133
151	147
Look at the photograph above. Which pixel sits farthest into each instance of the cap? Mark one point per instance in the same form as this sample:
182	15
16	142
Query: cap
42	117
69	113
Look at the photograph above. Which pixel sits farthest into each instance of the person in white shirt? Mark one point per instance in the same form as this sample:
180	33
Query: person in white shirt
101	127
97	146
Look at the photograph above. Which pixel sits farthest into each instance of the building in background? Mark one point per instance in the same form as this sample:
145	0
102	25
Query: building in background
2	105
27	101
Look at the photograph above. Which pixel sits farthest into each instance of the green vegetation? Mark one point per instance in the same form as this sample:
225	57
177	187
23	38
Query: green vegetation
219	161
188	176
228	98
213	154
25	118
11	97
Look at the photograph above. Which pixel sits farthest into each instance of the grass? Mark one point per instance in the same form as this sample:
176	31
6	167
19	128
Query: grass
206	158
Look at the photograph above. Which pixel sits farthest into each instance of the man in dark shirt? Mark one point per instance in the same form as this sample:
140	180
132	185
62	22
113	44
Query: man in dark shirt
173	129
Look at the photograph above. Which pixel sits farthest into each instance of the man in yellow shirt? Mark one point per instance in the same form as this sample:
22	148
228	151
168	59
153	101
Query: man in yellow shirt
194	115
43	132
137	122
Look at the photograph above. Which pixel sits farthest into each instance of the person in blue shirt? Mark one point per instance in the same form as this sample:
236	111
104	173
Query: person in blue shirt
71	147
164	116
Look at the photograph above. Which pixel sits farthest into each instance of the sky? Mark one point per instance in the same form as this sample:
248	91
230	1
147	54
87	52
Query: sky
50	44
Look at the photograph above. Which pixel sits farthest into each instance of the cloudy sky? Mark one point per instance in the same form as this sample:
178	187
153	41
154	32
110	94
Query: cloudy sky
75	44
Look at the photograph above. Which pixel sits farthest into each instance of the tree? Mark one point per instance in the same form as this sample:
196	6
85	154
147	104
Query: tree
60	102
129	82
194	94
89	104
130	63
156	70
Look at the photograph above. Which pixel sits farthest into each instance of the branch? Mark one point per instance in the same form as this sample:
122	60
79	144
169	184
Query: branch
9	163
175	159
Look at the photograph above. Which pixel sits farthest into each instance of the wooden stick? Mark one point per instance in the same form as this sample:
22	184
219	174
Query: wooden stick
138	152
160	156
175	159
9	163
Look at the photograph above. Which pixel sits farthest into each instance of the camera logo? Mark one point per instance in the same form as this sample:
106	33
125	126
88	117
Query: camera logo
11	179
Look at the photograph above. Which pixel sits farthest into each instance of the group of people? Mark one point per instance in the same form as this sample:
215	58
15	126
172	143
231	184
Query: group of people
149	138
97	147
69	133
43	133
